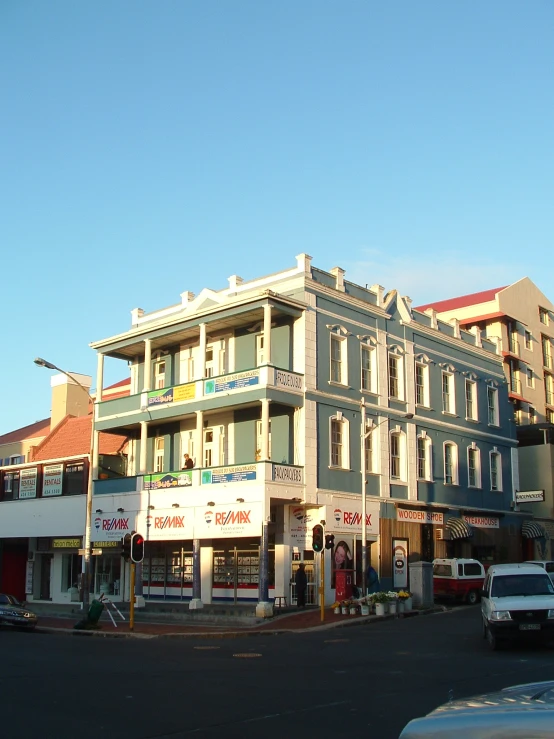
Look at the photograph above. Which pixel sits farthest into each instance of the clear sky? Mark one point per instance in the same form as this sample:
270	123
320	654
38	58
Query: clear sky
149	148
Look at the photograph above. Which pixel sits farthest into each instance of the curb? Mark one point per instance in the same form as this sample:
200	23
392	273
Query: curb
363	621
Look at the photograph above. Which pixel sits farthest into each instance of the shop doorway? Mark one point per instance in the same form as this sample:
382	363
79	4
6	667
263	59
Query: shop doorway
13	569
45	575
312	575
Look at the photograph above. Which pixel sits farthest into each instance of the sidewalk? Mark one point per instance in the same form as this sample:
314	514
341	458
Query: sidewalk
303	621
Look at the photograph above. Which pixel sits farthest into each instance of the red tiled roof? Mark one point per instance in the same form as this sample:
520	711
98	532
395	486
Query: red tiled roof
121	383
463	301
72	437
39	428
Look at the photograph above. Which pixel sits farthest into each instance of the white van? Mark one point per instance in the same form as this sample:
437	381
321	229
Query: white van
517	601
546	564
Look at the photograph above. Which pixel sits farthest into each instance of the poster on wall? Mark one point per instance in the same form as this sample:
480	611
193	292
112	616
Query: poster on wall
301	523
52	480
400	553
28	482
345	515
29	577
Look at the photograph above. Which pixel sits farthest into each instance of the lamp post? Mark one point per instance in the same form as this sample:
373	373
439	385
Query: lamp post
364	433
85	585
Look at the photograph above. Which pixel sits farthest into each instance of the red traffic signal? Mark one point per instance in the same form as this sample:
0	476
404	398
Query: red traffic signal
317	538
329	541
137	548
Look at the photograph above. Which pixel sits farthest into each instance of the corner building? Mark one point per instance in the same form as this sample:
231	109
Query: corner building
264	385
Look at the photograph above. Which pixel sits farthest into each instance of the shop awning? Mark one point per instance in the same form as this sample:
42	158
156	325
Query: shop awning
458	528
532	530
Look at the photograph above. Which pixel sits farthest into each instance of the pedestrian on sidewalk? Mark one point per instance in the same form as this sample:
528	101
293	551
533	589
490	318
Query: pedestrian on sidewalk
301	582
372	580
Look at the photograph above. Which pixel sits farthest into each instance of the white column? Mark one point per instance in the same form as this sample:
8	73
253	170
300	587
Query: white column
200	438
202	350
206	572
147	365
143	447
267	334
265	430
99	377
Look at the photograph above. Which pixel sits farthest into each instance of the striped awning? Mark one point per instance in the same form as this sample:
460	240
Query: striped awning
532	530
458	528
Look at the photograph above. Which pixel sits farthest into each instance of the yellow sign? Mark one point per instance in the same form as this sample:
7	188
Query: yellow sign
66	543
108	544
184	392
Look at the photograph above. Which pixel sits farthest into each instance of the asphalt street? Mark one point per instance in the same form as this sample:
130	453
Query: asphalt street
366	679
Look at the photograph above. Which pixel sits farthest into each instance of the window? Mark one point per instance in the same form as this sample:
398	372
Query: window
532	415
369	452
528	341
259	349
159	443
395	456
11	485
546	352
473	569
496	471
369	373
423	458
187	365
209	369
450	464
492	403
471	400
422	384
16	459
339	442
74	482
159	375
549	415
473	467
549	389
396	380
448	405
259	440
338	359
530	377
543	316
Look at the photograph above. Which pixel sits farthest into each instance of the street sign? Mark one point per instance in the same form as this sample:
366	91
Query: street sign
82	552
529	496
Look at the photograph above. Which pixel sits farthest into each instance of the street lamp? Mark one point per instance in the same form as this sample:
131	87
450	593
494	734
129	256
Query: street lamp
85	585
363	436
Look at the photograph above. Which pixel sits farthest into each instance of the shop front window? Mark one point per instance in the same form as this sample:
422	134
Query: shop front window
71	569
107	574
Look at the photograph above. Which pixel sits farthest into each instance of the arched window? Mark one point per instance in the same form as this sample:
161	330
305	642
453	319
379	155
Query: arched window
450	463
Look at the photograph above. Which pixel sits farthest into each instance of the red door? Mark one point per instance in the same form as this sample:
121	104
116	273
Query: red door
13	570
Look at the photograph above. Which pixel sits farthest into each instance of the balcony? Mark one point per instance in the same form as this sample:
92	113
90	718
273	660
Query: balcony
547	360
213	392
549	397
515	386
514	346
197	479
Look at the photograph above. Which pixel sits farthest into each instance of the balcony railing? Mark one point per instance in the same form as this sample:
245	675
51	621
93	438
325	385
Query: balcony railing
210	388
257	472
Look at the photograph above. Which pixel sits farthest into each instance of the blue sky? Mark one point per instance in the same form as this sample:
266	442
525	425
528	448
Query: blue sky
151	148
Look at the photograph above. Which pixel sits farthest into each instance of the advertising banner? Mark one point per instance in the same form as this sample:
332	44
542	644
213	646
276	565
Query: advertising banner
236	381
112	526
418	516
235	473
165	480
346	516
483	522
301	522
52	475
228	521
400	563
28	482
170	524
160	397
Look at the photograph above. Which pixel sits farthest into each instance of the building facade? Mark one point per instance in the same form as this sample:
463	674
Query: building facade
283	391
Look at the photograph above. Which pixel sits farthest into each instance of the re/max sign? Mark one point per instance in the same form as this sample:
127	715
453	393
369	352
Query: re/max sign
229	518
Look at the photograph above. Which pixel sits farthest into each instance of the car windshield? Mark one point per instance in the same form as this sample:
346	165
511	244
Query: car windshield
504	586
8	600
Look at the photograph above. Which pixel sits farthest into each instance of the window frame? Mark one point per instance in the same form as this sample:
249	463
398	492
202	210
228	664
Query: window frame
453	462
159	454
424	442
495	454
474	416
371	371
474	449
543	314
398	360
336	338
492	392
423	386
399	438
450	395
338	421
528	340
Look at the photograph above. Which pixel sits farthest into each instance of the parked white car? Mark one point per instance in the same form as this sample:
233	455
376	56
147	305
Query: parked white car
517	601
546	564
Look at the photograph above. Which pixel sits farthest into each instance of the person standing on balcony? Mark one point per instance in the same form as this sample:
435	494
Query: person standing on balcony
188	464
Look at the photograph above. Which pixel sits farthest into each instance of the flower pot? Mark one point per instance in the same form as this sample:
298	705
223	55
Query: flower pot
337	610
365	610
401	606
353	610
392	606
408	604
380	609
344	610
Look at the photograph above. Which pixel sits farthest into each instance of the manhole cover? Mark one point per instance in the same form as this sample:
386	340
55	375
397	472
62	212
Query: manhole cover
247	655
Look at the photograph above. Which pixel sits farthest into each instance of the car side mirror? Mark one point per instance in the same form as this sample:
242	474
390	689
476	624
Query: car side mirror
483	593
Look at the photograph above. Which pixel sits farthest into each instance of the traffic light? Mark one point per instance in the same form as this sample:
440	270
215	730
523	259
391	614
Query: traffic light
317	538
137	548
329	541
126	547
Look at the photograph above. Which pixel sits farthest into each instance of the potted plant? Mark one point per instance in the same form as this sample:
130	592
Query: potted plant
392	601
344	607
405	598
365	605
336	607
353	608
380	600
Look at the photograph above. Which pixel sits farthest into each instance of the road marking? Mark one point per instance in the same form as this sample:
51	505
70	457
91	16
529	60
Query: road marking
206	647
247	655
